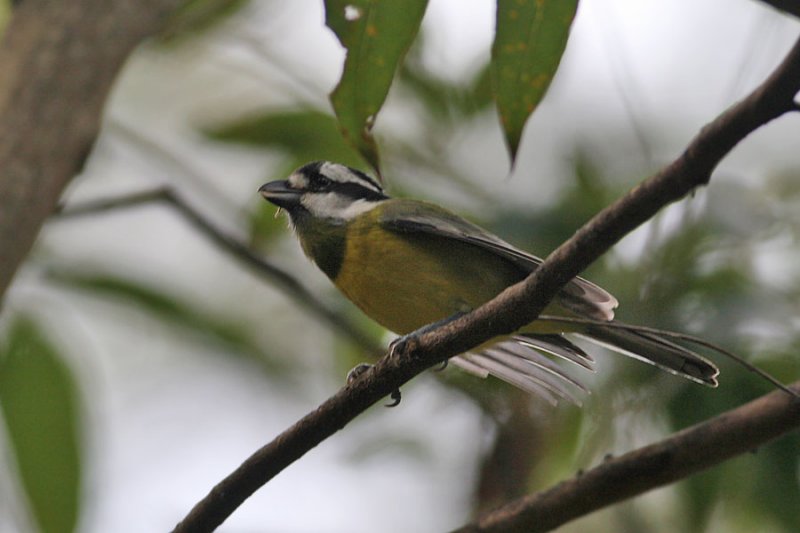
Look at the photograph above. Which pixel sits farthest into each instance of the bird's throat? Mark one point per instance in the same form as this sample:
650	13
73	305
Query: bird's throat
323	242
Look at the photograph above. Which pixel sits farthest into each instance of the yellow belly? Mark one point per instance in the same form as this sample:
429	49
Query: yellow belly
406	281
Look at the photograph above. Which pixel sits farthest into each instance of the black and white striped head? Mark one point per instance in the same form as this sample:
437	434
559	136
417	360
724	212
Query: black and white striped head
325	190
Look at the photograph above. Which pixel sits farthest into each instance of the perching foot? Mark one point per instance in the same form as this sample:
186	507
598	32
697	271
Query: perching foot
358	371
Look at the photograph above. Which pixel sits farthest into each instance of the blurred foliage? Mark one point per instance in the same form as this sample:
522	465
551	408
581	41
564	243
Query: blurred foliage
228	332
376	34
41	408
305	135
443	100
690	276
530	38
195	17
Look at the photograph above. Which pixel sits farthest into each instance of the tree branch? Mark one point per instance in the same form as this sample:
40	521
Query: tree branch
514	307
279	277
685	453
58	62
787	6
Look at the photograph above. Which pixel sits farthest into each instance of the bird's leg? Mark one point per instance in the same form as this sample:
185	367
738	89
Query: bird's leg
358	370
398	347
400	344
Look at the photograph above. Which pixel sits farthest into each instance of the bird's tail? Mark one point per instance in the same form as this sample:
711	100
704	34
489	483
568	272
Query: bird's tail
517	359
654	349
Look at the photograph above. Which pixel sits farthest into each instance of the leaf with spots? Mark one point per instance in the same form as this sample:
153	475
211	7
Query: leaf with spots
377	35
530	38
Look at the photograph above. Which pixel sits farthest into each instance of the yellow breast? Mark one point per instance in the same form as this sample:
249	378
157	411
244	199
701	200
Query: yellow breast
407	280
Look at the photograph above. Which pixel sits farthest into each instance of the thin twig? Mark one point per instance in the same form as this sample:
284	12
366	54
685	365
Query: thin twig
514	307
687	452
279	277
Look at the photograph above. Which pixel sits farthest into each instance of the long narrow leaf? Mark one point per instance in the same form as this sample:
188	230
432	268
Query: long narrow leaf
172	310
530	38
40	406
376	34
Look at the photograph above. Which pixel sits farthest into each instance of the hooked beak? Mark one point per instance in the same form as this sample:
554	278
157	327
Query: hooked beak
280	193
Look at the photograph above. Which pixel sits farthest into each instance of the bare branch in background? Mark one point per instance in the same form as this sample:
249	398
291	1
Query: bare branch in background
519	304
685	453
277	276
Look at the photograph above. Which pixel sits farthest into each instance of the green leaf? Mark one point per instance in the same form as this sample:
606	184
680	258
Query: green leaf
41	408
376	34
529	40
305	134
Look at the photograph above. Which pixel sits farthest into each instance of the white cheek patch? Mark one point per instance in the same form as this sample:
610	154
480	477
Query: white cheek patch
333	205
357	208
297	181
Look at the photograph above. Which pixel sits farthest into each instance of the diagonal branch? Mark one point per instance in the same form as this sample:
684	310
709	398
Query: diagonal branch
279	277
787	6
685	453
514	307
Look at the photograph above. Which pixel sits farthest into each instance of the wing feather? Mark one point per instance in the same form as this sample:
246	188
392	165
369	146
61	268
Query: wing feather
411	216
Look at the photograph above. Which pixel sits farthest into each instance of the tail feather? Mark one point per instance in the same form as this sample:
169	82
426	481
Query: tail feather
525	360
656	350
558	346
499	370
517	361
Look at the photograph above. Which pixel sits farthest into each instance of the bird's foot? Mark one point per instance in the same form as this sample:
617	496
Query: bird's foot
357	371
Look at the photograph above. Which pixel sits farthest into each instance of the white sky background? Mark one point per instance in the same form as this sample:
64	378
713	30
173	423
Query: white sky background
169	417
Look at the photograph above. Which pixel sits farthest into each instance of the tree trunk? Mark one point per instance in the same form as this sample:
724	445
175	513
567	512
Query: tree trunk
58	61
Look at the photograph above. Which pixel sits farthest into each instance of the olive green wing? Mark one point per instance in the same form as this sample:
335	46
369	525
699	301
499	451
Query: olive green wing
410	216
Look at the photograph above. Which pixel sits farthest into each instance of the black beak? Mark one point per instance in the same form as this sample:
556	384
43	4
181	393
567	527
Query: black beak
280	194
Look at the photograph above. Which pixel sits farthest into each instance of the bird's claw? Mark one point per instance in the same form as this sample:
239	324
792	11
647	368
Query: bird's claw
396	398
358	371
398	346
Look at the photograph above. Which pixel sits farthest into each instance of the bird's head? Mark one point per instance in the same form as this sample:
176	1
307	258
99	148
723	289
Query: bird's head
324	191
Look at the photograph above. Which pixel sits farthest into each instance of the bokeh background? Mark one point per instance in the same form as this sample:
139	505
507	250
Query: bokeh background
184	360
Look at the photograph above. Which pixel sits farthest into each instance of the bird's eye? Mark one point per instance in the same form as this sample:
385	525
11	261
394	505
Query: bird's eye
321	183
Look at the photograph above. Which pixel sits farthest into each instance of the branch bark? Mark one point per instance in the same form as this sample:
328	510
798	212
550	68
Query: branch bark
517	305
59	60
787	6
687	452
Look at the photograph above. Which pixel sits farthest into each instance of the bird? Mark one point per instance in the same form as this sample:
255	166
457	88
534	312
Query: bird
408	264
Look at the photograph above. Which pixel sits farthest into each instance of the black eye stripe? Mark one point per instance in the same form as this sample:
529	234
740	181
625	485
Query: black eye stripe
317	182
356	191
367	179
